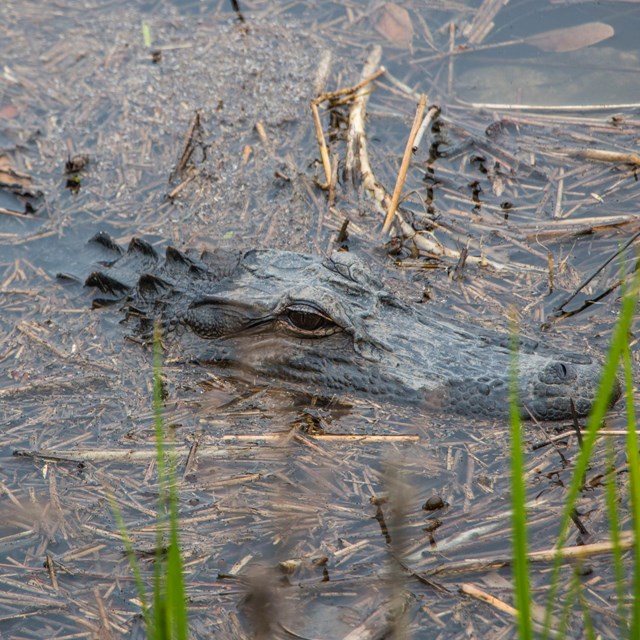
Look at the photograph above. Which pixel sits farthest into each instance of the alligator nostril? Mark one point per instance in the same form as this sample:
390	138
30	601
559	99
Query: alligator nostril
562	370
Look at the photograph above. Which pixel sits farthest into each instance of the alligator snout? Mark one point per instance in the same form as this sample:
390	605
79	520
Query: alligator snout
564	380
547	388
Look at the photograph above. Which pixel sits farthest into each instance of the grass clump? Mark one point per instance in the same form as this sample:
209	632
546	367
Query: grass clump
630	628
166	618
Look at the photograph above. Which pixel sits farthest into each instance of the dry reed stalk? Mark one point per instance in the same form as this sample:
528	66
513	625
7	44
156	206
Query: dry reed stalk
404	165
428	119
479	594
188	145
103	616
262	134
369	77
355	132
505	106
174	192
15	214
352	93
208	451
324	150
537	613
483	21
603	155
472	565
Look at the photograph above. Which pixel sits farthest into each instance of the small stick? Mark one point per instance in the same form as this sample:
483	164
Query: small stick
544	107
343	234
191	462
16	214
428	119
558	308
204	451
324	150
601	155
188	145
452	42
236	9
51	569
262	134
625	542
558	208
246	154
556	448
105	625
333	182
614	432
356	139
404	166
330	95
575	424
474	592
174	192
569	434
483	21
406	89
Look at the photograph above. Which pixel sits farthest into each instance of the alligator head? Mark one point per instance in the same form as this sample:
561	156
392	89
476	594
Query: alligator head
329	326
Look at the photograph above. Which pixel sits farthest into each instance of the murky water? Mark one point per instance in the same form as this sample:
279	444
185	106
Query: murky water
505	182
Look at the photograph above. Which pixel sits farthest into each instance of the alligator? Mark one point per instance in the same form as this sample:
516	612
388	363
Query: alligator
327	325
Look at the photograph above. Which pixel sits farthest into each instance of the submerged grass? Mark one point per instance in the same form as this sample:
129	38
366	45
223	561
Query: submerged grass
167	617
619	350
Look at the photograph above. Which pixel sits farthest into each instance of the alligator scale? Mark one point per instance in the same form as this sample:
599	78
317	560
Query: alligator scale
327	325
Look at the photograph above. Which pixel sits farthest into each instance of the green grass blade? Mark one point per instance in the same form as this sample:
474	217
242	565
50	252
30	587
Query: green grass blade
176	601
169	590
146	34
600	406
518	505
159	574
614	529
176	597
634	487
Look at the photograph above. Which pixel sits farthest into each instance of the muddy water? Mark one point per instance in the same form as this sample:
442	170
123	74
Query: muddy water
82	80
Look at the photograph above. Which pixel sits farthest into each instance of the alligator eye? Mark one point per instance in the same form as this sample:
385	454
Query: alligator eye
306	319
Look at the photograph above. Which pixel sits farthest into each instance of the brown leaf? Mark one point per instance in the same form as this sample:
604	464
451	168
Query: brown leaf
10	177
571	38
8	111
394	24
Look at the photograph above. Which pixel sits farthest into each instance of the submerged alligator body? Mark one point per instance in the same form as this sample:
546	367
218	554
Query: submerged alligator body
327	325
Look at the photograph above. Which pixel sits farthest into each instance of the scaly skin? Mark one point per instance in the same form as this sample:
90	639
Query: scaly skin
327	325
